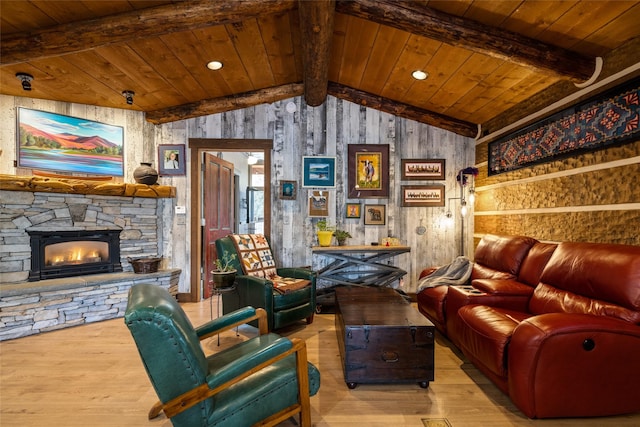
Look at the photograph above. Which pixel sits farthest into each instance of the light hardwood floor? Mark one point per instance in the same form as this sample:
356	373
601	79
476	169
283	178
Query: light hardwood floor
91	375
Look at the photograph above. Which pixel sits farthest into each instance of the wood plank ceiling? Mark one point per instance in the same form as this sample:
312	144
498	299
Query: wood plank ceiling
488	62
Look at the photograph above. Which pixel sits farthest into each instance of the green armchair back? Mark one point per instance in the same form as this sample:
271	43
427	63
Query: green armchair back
228	388
282	309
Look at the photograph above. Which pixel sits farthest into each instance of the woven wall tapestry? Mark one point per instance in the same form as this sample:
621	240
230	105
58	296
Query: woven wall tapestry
610	119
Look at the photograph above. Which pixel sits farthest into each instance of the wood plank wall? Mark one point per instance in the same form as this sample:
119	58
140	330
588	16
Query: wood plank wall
325	130
592	197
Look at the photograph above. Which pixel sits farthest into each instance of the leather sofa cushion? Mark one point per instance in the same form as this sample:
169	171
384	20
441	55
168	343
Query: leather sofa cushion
499	257
604	272
548	299
535	261
486	333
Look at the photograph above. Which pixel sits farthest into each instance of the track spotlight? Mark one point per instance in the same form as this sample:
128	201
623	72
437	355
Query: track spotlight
128	95
25	79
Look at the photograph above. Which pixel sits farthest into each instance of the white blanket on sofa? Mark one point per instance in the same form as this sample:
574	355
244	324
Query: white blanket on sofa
456	273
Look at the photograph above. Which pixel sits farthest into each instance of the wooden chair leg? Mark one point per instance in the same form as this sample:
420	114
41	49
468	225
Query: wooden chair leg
310	319
155	410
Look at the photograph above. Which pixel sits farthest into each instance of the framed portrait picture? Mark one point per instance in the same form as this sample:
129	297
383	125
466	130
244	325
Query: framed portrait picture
423	169
375	214
368	171
353	210
318	171
423	195
288	190
171	159
318	203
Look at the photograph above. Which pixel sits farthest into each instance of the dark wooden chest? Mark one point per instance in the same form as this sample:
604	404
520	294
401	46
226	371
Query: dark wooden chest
382	338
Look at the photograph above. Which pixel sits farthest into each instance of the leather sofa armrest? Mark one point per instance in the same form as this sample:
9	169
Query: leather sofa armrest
503	287
591	358
427	271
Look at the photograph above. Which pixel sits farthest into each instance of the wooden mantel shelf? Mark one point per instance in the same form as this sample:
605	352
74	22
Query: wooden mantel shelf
80	186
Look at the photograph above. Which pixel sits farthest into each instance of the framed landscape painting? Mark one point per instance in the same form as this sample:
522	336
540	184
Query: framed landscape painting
318	171
60	143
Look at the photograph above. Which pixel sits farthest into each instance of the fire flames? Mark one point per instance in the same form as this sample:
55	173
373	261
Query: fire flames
72	253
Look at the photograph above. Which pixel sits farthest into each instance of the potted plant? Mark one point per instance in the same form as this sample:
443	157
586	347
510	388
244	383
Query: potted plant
341	236
325	232
224	274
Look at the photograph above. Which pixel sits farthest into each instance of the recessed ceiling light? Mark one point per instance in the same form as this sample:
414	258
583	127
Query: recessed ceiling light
419	75
214	65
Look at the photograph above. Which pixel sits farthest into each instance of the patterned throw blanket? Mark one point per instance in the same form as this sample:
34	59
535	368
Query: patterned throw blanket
456	273
257	260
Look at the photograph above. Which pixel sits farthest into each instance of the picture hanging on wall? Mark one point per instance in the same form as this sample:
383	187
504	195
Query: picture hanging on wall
422	195
368	171
171	159
60	143
288	190
375	214
318	203
318	171
423	169
603	121
353	210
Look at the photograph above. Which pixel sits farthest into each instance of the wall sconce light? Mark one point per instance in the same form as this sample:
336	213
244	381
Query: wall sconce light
26	80
128	95
464	177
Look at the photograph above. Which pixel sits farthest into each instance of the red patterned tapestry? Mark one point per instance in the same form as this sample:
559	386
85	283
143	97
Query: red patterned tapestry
611	119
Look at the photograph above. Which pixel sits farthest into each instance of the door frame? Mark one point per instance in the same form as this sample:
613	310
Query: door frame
197	146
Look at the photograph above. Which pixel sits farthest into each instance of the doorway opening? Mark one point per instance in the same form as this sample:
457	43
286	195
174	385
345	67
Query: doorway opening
261	223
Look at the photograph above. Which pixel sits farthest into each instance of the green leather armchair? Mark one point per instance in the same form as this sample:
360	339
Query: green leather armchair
265	379
282	308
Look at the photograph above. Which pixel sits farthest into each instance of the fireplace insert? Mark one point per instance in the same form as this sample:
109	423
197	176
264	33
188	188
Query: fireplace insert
56	254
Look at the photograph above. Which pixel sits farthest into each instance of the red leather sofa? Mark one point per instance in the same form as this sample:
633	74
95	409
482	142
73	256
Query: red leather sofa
556	327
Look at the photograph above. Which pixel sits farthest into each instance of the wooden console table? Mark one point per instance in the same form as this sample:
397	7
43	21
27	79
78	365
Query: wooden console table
362	265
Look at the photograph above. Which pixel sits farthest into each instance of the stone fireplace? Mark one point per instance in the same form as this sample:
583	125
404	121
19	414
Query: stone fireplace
56	254
47	280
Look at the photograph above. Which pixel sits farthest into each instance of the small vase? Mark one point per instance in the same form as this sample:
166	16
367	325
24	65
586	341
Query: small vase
145	174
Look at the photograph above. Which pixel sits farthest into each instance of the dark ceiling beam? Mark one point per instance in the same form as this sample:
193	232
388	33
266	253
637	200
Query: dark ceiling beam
155	21
223	104
418	19
400	109
316	27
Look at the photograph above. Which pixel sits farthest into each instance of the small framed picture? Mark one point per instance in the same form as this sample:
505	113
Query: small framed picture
353	210
171	159
375	214
318	171
318	203
288	190
423	169
423	195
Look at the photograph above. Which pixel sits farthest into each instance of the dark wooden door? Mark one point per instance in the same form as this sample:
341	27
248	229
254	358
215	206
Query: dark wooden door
219	215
